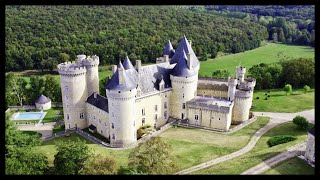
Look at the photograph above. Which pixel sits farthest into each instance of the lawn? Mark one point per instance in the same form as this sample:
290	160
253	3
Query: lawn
259	153
293	166
280	102
269	53
190	146
32	133
194	146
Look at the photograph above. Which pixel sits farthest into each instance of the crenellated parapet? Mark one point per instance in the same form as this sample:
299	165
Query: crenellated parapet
71	69
243	93
91	61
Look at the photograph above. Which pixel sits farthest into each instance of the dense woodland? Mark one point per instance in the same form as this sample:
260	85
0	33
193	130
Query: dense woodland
40	37
287	24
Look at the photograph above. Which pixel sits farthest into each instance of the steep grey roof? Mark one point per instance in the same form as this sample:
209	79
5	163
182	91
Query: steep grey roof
42	99
113	83
181	69
150	76
99	102
120	65
127	63
311	131
184	45
168	50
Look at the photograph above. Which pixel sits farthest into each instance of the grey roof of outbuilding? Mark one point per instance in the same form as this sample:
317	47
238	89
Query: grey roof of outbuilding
184	45
311	131
127	63
113	83
168	50
99	102
181	69
42	99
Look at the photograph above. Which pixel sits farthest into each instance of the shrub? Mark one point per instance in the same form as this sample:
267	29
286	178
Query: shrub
268	91
265	94
306	88
257	98
265	98
268	95
140	132
301	122
273	141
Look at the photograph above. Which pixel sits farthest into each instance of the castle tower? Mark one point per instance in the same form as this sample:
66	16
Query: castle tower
74	93
92	76
240	74
121	92
232	83
184	80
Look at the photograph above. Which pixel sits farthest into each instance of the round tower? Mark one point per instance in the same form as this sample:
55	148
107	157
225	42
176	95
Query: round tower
92	76
184	81
232	83
240	74
121	92
242	105
74	94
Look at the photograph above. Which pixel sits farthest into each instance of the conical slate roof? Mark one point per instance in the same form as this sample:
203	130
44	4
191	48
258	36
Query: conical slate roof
113	83
127	64
184	45
42	99
168	50
181	69
120	65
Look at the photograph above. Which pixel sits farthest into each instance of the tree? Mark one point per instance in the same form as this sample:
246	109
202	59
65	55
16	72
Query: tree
152	157
100	165
15	89
301	122
37	87
306	88
220	74
102	86
63	57
71	157
281	36
52	89
288	89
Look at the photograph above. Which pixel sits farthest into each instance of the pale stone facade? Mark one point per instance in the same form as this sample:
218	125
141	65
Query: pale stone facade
149	95
310	148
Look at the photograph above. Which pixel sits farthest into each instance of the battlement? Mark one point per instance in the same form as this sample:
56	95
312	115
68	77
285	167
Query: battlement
241	69
232	81
91	61
71	68
243	93
210	103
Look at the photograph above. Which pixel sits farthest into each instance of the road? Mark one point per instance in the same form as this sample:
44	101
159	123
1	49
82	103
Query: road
275	119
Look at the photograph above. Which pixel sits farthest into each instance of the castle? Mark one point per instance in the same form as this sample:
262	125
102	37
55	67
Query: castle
148	95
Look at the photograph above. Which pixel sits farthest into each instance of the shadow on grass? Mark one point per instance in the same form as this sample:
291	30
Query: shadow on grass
70	137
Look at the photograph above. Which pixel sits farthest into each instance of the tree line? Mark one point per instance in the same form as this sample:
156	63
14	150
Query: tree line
40	37
287	24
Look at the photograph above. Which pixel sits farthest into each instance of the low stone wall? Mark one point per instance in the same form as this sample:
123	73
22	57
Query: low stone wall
22	107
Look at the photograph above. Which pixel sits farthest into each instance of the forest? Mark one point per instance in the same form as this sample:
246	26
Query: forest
287	24
40	37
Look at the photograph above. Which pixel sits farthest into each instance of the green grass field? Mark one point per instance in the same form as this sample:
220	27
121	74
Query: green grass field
259	153
280	102
293	166
190	146
269	53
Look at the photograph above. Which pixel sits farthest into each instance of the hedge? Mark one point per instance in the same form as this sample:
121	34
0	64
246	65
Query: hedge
280	140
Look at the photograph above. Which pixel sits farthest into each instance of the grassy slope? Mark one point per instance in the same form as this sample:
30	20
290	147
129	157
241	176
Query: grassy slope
259	153
292	166
269	53
190	146
280	102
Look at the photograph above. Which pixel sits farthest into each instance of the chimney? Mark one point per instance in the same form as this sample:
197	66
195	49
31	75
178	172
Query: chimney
166	58
189	60
121	75
95	95
138	66
114	68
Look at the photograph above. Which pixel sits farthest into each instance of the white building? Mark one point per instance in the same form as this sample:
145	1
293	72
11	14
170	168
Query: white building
148	95
43	103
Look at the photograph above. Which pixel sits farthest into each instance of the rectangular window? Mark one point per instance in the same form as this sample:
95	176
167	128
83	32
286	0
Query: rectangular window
156	116
143	112
113	136
101	132
67	97
100	121
134	123
143	121
81	115
165	114
94	117
156	107
183	105
165	105
69	126
155	125
196	117
112	125
67	116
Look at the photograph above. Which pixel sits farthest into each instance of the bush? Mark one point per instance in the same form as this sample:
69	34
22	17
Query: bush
268	95
280	140
265	98
265	94
257	98
140	132
306	88
301	122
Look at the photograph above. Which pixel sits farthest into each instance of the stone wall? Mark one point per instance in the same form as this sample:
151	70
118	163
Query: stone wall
310	149
98	118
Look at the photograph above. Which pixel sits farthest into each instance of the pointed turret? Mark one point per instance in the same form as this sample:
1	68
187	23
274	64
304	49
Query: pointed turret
168	50
185	45
127	63
120	65
120	80
182	69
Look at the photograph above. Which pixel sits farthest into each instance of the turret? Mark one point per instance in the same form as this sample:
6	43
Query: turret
184	80
138	66
232	83
92	75
74	93
240	72
168	50
127	64
121	92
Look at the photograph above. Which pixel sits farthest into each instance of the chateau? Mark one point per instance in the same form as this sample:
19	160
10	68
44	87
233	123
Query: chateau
148	95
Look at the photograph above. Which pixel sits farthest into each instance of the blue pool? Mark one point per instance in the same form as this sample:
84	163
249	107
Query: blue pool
28	115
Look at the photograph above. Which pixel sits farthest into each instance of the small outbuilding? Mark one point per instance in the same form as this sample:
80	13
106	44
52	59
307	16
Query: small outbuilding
43	103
